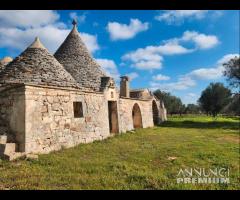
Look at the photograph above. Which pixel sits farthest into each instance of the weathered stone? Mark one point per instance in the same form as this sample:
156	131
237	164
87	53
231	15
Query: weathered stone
3	139
56	106
44	109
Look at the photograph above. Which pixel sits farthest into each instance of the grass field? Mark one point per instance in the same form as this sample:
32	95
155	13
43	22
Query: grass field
137	160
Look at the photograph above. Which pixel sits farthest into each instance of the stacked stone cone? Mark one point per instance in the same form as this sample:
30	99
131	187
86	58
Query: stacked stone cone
36	66
76	59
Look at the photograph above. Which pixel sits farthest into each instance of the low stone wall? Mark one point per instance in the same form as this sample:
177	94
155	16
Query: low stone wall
125	113
50	122
12	114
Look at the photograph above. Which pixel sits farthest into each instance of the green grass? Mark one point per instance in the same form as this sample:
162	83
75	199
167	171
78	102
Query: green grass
135	160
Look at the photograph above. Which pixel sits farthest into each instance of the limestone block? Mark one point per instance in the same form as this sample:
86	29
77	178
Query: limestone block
50	99
55	106
44	109
56	100
47	119
88	119
7	148
3	139
66	99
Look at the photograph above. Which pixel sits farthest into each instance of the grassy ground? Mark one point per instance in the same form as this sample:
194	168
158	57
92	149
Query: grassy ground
135	160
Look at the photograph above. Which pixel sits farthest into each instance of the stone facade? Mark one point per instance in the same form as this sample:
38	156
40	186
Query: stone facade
50	122
41	119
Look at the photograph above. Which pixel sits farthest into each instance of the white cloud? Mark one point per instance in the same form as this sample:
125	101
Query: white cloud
190	79
27	18
183	83
201	40
132	75
227	58
90	41
160	77
178	16
16	38
150	57
213	72
19	28
207	73
50	35
109	67
144	59
171	48
123	31
80	18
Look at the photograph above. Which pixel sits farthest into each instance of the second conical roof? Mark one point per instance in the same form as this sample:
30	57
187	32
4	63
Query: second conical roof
77	60
36	66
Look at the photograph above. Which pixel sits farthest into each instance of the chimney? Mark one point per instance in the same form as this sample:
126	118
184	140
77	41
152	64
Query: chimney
124	87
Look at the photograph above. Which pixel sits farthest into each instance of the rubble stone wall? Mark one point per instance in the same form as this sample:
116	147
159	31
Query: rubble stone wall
12	114
50	122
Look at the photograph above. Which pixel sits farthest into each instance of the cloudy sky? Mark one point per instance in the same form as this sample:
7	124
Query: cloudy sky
177	51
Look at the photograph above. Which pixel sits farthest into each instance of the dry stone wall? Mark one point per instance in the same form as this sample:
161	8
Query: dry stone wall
50	122
12	114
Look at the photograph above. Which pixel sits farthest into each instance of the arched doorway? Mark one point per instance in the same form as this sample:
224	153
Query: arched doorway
155	113
137	117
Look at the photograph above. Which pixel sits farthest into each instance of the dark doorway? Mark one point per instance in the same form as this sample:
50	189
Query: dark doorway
137	116
155	113
113	117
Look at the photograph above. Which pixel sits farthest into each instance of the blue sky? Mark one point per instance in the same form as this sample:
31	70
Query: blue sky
177	51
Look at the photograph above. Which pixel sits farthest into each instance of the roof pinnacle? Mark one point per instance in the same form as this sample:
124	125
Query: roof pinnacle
74	22
37	44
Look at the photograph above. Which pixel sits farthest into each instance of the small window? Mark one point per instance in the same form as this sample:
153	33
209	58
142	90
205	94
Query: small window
78	109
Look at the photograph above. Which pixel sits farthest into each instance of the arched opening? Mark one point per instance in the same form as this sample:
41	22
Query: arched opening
155	113
137	117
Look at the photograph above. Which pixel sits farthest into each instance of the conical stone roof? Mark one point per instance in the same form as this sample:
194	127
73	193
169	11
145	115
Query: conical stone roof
36	66
75	57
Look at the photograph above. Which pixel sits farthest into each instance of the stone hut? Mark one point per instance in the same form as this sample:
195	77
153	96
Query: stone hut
52	102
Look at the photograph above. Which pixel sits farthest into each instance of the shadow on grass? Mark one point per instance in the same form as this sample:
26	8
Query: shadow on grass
201	125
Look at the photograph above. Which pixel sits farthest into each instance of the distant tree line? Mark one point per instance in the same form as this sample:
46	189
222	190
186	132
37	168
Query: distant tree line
215	99
174	104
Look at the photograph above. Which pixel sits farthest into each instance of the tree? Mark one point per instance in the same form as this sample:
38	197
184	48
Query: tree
233	107
172	103
214	98
232	72
192	109
165	97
